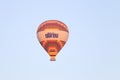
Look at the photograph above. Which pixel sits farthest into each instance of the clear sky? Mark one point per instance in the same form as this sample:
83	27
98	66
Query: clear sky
92	51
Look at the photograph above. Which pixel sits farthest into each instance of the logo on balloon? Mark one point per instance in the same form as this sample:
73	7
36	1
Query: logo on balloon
51	35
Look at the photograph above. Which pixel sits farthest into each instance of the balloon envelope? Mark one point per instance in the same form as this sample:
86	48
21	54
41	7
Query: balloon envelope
52	35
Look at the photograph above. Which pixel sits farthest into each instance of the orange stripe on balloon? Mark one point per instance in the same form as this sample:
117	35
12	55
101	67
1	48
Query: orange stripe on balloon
52	25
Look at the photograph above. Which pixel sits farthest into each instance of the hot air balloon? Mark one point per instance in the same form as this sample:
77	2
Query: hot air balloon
52	35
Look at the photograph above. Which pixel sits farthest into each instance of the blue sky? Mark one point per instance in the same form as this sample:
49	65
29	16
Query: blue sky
92	51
